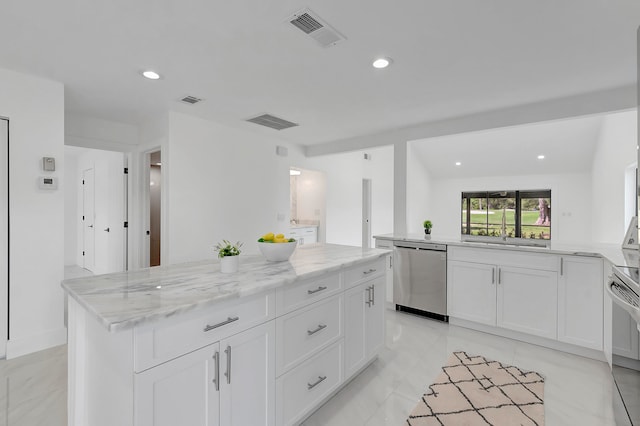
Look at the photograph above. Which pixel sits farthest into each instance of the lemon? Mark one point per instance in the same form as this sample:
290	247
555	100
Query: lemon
280	236
268	237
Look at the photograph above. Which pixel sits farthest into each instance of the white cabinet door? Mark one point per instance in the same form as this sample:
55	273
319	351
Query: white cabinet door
471	291
247	371
528	301
354	326
364	323
374	316
580	301
179	392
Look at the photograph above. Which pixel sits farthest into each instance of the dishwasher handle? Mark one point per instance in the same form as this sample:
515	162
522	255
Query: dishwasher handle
421	246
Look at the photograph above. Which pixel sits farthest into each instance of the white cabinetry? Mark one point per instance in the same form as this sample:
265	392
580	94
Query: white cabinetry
518	299
559	298
580	301
527	301
388	245
304	234
211	386
179	392
364	333
471	293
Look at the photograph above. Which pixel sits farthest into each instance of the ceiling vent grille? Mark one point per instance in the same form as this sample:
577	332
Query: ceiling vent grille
272	121
190	100
316	28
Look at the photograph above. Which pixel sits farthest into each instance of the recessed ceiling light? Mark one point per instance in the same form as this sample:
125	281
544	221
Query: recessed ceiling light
458	163
540	157
293	172
151	75
381	62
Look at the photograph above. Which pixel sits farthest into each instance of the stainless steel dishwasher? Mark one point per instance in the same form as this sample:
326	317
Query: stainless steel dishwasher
420	278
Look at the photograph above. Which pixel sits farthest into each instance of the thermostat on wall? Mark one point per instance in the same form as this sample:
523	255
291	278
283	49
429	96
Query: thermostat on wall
48	182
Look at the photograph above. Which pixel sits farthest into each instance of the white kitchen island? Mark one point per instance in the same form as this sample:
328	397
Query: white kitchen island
187	345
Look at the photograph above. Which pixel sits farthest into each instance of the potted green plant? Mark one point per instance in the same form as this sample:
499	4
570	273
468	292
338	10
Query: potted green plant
427	227
228	254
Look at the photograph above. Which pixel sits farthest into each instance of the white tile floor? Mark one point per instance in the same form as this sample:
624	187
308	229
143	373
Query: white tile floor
578	391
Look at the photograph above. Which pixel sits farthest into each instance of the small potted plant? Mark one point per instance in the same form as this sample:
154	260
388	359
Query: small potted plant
427	227
228	254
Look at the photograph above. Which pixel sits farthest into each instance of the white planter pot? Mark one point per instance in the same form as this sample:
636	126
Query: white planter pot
229	264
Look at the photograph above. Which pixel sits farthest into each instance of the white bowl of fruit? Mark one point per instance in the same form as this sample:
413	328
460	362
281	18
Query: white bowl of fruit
275	247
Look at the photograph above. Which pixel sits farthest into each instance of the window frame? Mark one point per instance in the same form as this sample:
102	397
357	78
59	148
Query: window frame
519	195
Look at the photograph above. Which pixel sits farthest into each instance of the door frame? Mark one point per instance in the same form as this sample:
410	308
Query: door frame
366	213
5	283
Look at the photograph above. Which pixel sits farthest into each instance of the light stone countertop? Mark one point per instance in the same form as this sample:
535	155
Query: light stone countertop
125	299
611	252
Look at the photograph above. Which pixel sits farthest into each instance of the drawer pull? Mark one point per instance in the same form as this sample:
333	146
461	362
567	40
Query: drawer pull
220	324
316	290
373	295
313	385
320	327
368	301
370	271
228	373
216	357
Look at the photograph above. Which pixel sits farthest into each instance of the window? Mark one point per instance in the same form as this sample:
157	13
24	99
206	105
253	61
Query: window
511	214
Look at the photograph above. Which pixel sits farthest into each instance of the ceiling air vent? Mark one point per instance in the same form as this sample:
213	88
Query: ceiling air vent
316	28
271	121
190	100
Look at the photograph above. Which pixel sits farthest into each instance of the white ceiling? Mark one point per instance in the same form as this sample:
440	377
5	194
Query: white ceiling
451	58
568	147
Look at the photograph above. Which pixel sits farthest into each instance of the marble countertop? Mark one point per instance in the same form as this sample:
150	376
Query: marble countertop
614	253
123	300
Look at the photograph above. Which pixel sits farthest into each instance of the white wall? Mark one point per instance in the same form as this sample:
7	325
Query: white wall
615	152
35	108
223	183
420	202
90	132
344	192
570	202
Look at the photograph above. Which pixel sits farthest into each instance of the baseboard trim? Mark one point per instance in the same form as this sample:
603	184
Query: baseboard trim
523	337
39	342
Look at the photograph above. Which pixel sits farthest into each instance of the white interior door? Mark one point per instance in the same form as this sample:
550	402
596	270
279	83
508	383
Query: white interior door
366	213
88	220
4	234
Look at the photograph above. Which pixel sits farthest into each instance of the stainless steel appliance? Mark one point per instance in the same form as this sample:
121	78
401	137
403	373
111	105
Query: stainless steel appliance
623	288
420	278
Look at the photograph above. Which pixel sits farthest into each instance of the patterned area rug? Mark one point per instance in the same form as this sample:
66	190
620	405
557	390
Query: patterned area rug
472	390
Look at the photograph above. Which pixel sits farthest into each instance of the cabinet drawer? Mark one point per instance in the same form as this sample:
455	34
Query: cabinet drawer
302	293
301	390
500	256
164	340
366	271
305	331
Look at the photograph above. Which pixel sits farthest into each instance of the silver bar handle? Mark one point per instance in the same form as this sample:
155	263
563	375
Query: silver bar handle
499	275
220	324
493	275
373	295
321	288
316	383
228	373
370	271
368	301
561	266
216	380
320	327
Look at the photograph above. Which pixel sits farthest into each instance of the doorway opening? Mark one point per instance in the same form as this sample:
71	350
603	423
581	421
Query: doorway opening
307	200
155	203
